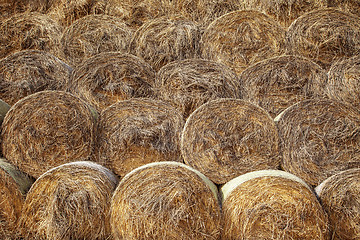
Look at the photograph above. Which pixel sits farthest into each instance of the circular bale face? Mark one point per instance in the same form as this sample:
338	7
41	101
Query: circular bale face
225	138
352	6
47	129
165	201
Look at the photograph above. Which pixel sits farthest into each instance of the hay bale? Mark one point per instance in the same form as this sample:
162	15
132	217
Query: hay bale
242	38
166	200
352	6
71	201
225	138
319	138
271	204
47	129
135	132
9	8
339	196
325	36
30	71
277	83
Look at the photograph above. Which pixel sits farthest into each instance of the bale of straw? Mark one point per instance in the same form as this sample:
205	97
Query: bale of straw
225	138
135	132
71	201
242	38
9	8
271	204
166	200
339	196
352	6
47	129
277	83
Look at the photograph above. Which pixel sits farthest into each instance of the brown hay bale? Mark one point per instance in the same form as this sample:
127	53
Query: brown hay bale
47	129
277	83
71	201
227	137
30	71
325	36
272	204
242	38
138	131
352	6
169	201
339	196
9	8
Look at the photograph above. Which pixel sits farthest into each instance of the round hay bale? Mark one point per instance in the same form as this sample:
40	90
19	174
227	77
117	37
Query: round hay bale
277	83
271	204
352	6
225	138
339	196
325	36
47	129
107	78
135	132
71	201
30	71
319	138
242	38
170	201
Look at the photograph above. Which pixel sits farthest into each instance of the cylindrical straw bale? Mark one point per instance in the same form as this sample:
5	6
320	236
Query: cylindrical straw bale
47	129
225	138
352	6
138	131
71	201
319	138
166	200
340	197
277	83
272	204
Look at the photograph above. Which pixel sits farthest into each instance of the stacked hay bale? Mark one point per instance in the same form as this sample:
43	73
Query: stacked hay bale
352	6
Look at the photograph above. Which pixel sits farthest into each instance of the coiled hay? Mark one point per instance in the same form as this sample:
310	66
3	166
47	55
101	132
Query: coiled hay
225	138
71	201
319	138
165	200
47	129
242	38
339	196
352	6
271	204
277	83
135	132
325	36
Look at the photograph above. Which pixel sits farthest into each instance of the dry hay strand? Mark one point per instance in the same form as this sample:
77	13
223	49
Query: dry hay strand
71	201
325	36
319	138
30	71
138	131
225	138
242	38
166	200
277	83
272	204
47	129
9	8
339	196
352	6
107	78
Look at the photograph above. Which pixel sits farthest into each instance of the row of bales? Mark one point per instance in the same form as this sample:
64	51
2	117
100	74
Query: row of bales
159	119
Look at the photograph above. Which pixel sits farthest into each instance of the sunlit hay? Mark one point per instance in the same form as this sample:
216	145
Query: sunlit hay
30	71
352	6
272	204
47	129
242	38
225	138
277	83
71	201
166	200
135	132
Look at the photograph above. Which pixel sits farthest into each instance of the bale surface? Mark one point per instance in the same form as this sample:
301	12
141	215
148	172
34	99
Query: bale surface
352	6
9	8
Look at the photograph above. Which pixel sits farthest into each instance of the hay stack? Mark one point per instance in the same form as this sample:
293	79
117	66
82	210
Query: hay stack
135	132
272	204
71	201
319	138
242	38
225	138
165	200
277	83
352	6
47	129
